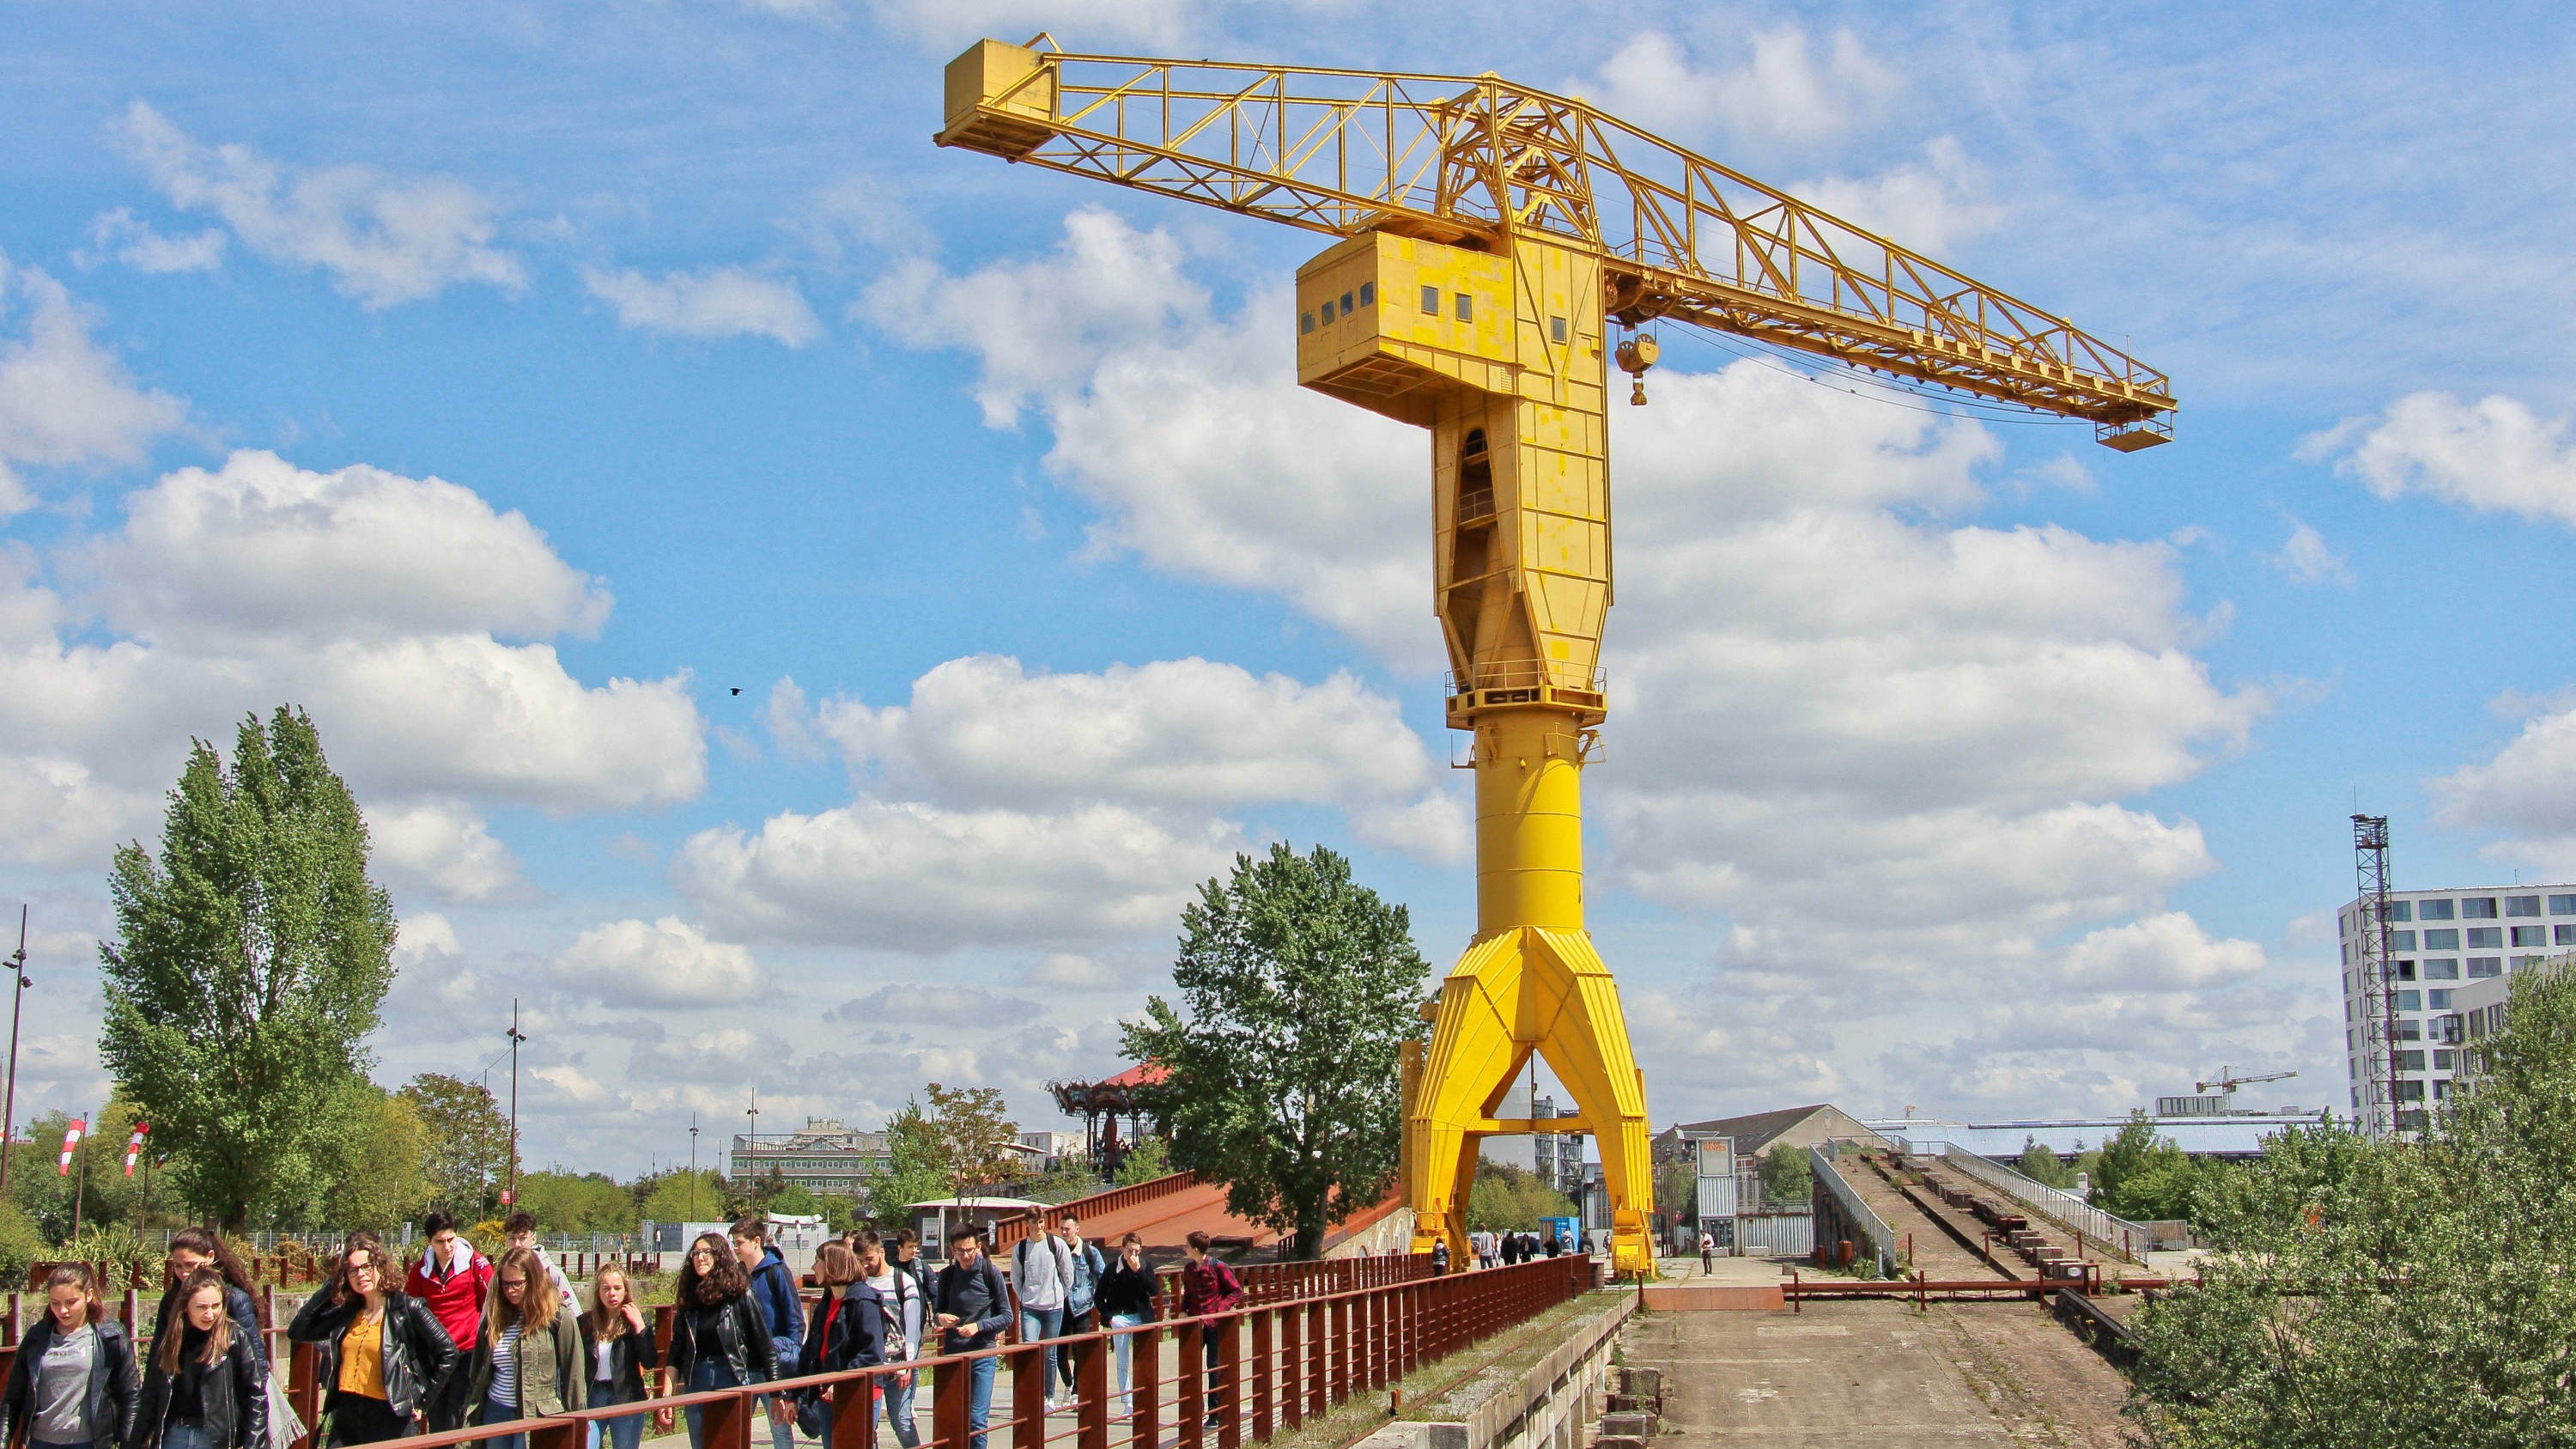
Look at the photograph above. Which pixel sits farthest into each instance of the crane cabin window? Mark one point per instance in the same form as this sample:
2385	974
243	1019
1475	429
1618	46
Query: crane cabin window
1368	294
1305	323
1431	301
1556	329
1346	304
1466	308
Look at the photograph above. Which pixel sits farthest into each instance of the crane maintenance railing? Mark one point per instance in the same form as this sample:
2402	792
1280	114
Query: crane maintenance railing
1198	1383
2091	1224
1863	1219
1471	159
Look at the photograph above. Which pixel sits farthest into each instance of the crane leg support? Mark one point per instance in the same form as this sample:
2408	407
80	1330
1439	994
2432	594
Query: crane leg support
1527	989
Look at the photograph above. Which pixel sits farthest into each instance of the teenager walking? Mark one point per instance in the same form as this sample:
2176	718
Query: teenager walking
527	1361
1127	1299
773	1288
73	1384
721	1340
1209	1287
972	1307
520	1231
906	1311
386	1356
194	1248
851	1326
617	1344
1081	1297
203	1389
1041	1272
452	1280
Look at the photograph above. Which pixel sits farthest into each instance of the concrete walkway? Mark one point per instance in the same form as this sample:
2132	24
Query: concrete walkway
1878	1374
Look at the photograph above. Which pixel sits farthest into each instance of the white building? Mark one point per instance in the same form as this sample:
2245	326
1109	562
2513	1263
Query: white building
2440	944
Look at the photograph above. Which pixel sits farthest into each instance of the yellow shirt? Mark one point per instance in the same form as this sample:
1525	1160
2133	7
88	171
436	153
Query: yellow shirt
362	1356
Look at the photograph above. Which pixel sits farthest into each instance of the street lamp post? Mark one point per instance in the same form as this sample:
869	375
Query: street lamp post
693	1167
510	1194
9	1096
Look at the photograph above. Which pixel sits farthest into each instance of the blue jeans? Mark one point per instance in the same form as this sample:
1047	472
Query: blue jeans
1037	1323
898	1409
626	1433
979	1397
1125	1388
705	1374
180	1434
496	1411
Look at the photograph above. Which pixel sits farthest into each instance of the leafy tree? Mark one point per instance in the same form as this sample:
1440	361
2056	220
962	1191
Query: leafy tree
672	1198
379	1177
1300	986
1145	1161
913	1172
1509	1199
2043	1166
2433	1301
98	1173
1676	1187
1068	1178
566	1202
2142	1176
469	1142
251	961
970	1140
1786	1177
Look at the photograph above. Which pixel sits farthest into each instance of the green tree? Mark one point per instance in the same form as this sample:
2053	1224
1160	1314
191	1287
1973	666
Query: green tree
914	1172
469	1142
378	1177
1509	1199
2434	1303
1300	985
251	962
45	1194
567	1202
1676	1187
672	1197
2043	1166
1786	1177
2142	1176
1145	1161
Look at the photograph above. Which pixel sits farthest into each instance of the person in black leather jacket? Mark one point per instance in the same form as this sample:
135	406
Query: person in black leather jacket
194	1248
205	1389
721	1340
403	1356
85	1398
617	1345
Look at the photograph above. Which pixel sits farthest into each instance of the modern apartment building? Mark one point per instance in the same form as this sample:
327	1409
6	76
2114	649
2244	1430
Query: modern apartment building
2480	1007
2441	943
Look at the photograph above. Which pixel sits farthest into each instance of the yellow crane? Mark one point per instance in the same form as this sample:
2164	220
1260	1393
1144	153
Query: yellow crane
1491	235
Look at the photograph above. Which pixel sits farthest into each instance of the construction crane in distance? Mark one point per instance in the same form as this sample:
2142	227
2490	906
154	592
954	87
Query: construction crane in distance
2228	1081
1491	235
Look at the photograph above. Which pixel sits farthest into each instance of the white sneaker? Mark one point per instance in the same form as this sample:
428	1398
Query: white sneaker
1051	1407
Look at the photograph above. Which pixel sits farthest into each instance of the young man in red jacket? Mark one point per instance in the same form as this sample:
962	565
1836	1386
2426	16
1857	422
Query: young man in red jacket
1208	1287
451	1279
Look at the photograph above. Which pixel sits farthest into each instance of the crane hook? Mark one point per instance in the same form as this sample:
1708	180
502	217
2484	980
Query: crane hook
1636	355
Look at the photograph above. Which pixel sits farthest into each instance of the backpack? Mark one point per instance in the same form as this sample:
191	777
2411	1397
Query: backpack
898	1346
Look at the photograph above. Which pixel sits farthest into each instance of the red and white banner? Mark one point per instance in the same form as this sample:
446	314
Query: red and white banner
71	1139
134	1146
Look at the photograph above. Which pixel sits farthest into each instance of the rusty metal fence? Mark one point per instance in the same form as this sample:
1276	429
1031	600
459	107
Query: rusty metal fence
1197	1383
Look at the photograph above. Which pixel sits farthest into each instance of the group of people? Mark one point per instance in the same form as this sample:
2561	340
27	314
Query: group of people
1492	1248
467	1341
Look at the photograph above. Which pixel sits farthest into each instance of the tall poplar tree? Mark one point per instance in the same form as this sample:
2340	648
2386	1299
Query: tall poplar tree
1301	985
251	961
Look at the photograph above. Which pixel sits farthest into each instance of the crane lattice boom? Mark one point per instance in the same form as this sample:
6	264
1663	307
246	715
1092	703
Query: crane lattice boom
1470	160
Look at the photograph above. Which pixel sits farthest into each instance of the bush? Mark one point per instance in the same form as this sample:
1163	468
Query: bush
21	1246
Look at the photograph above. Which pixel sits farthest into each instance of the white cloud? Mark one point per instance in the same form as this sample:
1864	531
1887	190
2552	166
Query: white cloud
712	302
917	877
2525	791
983	730
130	240
2305	557
446	848
2165	952
367	599
384	240
1929	206
2491	456
64	399
947	25
252	547
1435	828
1185	428
1788	88
927	1004
668	962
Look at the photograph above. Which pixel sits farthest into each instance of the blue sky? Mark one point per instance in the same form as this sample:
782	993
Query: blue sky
1962	766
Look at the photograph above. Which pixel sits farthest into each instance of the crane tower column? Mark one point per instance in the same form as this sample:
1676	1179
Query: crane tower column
1501	356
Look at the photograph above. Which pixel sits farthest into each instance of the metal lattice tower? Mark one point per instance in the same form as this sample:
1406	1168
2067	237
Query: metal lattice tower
2379	1111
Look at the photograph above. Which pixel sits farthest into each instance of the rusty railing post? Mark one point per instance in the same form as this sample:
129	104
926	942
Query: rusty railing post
1192	1409
1264	1370
1145	1377
1292	1366
854	1413
303	1363
1091	1394
1029	1393
948	1403
1225	1393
